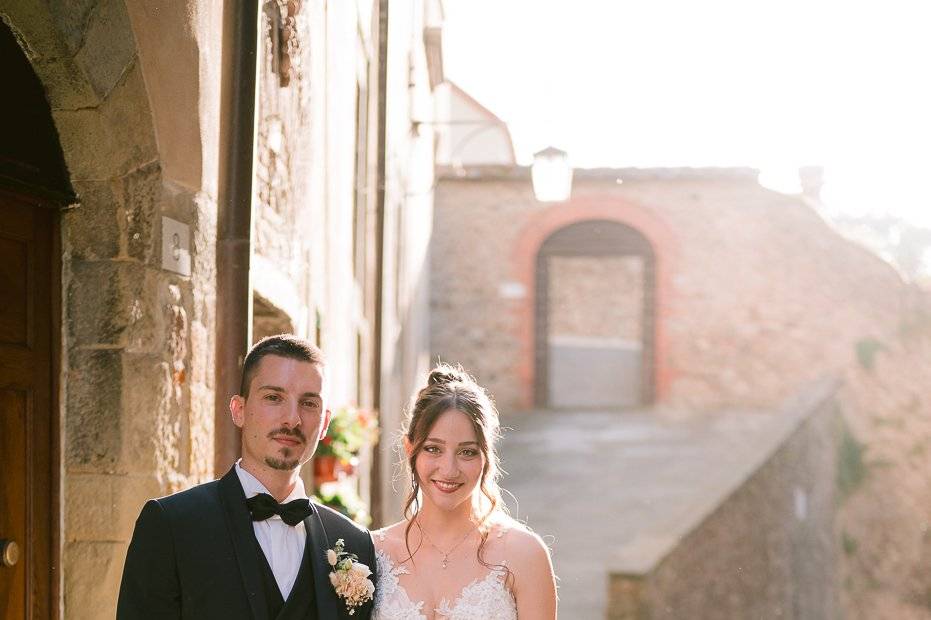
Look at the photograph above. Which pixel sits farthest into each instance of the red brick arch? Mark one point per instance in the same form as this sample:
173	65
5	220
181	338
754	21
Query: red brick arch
596	206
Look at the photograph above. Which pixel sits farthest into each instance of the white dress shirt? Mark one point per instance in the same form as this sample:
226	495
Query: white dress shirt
282	544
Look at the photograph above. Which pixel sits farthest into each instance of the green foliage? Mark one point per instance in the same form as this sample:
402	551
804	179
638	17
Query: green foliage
867	349
889	421
350	430
851	467
343	499
919	448
849	543
880	464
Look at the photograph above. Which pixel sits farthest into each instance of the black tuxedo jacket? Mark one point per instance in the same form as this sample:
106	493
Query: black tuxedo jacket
194	555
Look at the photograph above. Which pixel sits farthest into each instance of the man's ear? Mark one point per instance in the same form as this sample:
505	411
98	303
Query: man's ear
237	410
325	425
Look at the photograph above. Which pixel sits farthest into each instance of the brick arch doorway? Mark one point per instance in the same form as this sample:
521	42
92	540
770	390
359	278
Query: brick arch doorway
595	318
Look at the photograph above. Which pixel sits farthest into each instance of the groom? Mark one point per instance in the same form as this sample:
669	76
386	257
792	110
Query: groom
250	546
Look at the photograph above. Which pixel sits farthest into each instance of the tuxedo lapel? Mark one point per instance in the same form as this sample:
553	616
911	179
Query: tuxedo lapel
240	526
317	544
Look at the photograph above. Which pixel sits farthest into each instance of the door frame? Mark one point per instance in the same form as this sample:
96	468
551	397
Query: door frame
594	238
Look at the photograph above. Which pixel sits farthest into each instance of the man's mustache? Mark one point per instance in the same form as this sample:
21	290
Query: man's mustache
294	432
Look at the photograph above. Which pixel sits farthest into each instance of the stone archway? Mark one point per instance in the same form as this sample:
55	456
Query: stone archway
109	294
33	189
268	319
594	317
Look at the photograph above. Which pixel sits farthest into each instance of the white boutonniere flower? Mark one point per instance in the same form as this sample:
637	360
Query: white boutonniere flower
350	578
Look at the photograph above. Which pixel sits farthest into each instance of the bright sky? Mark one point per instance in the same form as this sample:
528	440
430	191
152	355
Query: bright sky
768	84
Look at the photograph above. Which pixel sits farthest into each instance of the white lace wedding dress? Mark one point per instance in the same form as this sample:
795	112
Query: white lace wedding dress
483	599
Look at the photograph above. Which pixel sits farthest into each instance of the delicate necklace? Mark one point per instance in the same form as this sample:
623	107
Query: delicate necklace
445	553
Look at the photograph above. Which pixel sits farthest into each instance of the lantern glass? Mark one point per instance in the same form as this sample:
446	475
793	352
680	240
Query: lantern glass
551	175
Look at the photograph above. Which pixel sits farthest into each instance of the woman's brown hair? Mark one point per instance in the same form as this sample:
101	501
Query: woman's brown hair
451	388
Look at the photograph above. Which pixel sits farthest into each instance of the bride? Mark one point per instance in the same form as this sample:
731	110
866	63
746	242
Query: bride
457	555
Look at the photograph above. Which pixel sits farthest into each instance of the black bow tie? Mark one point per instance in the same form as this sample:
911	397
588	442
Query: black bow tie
263	506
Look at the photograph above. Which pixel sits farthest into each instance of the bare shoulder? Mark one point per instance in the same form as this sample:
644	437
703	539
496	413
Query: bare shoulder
390	539
518	546
526	550
534	585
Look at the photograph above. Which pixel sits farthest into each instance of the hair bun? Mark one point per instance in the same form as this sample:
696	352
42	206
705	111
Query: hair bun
444	373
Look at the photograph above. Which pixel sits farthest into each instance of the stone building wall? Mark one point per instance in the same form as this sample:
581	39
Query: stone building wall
767	551
755	294
287	210
302	216
308	217
473	312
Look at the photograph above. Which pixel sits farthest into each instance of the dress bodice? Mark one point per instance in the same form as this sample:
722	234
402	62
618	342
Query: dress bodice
482	599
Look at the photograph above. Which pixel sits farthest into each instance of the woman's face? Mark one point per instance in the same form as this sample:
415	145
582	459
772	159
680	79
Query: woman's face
449	466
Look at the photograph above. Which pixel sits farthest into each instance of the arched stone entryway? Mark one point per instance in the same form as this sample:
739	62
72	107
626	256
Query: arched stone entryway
594	317
33	189
123	369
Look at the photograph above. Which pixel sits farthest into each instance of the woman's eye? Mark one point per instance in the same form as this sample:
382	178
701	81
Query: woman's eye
432	449
469	452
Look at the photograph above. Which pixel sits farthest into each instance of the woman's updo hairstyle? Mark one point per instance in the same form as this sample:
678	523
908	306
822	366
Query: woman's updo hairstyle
450	387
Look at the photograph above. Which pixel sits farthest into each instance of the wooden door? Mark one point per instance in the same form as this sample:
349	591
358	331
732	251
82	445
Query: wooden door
26	506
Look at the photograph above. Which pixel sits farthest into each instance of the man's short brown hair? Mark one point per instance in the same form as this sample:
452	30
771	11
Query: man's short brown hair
282	345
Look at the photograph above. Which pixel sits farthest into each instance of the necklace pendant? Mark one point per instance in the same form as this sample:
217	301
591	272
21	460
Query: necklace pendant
444	563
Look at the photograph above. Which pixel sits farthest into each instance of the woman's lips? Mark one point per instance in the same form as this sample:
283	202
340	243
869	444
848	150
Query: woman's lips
446	487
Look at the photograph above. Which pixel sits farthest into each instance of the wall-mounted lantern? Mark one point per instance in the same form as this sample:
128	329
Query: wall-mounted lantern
551	175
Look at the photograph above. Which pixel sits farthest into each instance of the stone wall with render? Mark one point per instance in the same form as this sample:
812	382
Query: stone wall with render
755	293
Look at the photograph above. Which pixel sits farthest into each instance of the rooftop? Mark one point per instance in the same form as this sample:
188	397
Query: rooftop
522	173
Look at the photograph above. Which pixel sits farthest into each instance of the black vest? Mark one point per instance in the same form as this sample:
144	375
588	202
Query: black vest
301	602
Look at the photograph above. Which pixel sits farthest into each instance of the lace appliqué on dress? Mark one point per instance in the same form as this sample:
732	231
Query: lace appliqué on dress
391	601
480	600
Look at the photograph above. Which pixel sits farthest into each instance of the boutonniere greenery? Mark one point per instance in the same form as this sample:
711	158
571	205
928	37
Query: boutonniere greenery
350	578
